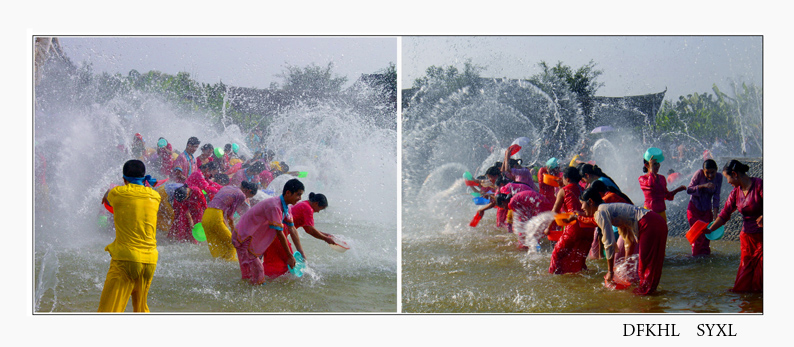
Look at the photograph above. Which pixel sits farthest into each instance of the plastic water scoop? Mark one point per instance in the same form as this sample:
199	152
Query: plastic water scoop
300	264
716	234
554	235
561	217
653	153
302	174
475	220
514	149
339	246
102	222
198	232
695	231
218	152
467	176
108	207
550	180
519	143
480	200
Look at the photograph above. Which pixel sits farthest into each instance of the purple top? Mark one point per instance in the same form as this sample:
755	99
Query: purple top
704	199
750	206
522	175
229	199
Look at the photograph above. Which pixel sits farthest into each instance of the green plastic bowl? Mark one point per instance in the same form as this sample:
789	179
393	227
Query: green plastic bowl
654	153
219	152
716	234
198	233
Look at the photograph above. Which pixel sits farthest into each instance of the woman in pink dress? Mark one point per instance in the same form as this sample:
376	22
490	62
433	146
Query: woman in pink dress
189	206
747	196
654	185
571	250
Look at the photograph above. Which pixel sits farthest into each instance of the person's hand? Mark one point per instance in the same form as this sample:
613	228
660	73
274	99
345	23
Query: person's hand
291	261
760	221
329	239
571	218
480	213
709	185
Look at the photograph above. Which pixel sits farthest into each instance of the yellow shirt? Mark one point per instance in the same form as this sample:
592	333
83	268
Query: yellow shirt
135	216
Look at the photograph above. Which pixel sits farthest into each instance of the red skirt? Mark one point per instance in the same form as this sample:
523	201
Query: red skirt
274	260
571	251
652	242
749	278
701	245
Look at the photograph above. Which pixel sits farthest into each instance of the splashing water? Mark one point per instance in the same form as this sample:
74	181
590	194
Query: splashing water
451	267
84	136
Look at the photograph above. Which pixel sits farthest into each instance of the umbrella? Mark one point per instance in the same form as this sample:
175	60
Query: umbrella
602	129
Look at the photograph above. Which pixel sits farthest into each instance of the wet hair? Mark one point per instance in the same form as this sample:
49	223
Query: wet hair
284	166
207	146
591	169
644	166
134	168
292	186
514	162
180	194
602	188
212	165
572	174
269	154
735	166
256	167
252	187
493	171
222	179
502	180
227	148
710	164
591	194
193	141
671	171
319	199
502	198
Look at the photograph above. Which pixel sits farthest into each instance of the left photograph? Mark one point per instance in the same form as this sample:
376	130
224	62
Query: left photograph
214	174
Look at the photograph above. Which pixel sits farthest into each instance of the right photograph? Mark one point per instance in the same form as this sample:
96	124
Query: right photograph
582	174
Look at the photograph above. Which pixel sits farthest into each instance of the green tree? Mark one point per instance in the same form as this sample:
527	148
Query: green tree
582	81
311	80
439	83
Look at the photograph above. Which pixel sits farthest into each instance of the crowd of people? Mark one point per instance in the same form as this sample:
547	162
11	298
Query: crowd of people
214	191
596	220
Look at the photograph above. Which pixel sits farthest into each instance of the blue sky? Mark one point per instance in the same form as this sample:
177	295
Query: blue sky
631	65
238	61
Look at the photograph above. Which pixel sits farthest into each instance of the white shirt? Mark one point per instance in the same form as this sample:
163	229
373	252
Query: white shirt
625	216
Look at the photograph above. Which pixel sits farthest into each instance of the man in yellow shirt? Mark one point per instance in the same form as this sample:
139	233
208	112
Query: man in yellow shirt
134	251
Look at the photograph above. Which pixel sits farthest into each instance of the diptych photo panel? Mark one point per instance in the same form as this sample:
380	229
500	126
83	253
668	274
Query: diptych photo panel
398	175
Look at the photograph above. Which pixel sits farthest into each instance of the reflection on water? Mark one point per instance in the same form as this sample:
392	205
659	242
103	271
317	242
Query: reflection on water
188	279
481	270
